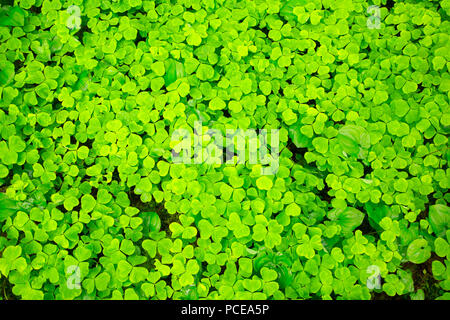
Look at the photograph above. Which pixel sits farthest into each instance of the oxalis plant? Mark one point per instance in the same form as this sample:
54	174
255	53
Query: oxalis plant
92	205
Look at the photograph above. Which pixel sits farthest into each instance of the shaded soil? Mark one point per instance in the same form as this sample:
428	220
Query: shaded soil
6	290
423	279
152	206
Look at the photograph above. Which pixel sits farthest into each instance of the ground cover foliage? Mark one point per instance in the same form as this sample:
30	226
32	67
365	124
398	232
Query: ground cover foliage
93	207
